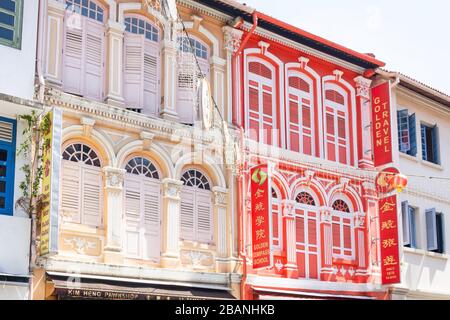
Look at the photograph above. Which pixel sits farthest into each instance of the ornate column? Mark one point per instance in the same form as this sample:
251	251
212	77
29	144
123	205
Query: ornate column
360	242
222	227
326	243
53	42
363	100
232	39
169	53
290	240
372	234
171	223
114	212
114	89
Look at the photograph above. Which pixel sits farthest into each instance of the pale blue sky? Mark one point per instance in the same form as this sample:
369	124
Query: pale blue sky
412	37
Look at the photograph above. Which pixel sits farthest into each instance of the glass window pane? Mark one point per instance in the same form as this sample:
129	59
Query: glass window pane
92	6
8	5
92	14
100	16
2	186
3	155
2	203
2	171
6	34
84	12
7	19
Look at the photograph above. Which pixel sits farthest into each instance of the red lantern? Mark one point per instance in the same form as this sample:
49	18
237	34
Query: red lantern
399	182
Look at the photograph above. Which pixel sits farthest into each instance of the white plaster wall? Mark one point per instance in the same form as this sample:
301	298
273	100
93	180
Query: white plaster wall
424	273
9	291
17	66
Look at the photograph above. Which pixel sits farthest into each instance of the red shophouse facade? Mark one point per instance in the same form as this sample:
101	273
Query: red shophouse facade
313	108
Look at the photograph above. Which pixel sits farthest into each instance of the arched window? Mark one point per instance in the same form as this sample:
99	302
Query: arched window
84	49
261	95
196	207
277	225
191	51
342	230
142	209
337	137
300	113
141	66
82	185
305	198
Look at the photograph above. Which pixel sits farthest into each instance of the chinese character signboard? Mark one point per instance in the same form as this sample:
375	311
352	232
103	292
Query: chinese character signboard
51	159
390	263
260	199
381	124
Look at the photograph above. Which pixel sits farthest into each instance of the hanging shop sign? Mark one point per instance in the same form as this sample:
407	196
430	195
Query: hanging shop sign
390	262
381	124
51	159
261	219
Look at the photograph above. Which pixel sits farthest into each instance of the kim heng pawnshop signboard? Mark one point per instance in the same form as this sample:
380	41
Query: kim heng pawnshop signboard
261	219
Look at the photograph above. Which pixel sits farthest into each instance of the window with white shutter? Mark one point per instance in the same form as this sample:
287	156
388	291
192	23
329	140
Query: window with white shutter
196	217
192	50
261	97
141	66
337	126
142	210
300	113
342	230
81	186
84	49
435	230
7	164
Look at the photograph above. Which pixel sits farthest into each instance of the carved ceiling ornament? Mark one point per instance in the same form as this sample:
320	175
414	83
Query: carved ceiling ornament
114	177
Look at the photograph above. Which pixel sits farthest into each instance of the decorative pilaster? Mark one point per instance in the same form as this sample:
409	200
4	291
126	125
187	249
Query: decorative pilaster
53	42
168	108
232	39
360	240
171	222
370	200
218	66
326	239
222	227
290	241
115	34
114	178
363	100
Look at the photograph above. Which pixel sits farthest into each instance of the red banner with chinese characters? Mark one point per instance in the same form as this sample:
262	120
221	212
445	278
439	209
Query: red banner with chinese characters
261	238
390	262
381	124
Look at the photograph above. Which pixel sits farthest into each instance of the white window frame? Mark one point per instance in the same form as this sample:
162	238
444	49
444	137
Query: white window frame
344	215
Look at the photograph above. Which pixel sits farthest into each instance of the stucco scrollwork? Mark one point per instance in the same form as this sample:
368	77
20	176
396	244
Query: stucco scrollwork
114	177
232	38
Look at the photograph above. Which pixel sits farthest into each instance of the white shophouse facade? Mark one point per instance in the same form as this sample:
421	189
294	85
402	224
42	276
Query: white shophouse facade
424	156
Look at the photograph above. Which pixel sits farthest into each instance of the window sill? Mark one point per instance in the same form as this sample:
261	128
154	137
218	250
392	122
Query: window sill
426	253
432	165
409	157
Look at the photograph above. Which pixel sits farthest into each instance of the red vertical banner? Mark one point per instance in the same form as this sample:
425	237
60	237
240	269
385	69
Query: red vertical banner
390	258
261	219
381	124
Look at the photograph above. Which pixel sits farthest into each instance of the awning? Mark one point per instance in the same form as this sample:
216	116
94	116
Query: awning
67	287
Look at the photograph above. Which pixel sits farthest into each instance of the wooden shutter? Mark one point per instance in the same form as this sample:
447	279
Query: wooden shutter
132	215
412	227
151	218
133	70
432	241
403	130
423	131
151	78
93	73
71	191
187	213
204	215
185	93
412	135
73	57
406	224
91	196
435	144
6	131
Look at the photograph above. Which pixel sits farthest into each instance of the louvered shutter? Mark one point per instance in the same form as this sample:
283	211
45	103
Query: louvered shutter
6	131
132	215
91	196
151	218
403	130
185	92
187	213
432	242
406	224
412	227
423	131
94	46
435	143
133	70
412	135
73	56
71	191
151	78
204	215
